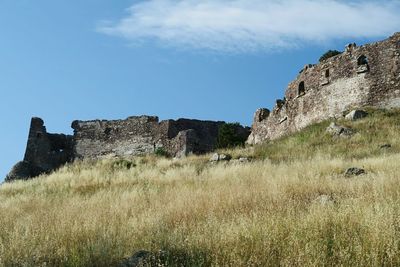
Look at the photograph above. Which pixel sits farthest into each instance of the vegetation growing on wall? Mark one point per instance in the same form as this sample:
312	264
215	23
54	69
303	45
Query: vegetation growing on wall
329	54
161	152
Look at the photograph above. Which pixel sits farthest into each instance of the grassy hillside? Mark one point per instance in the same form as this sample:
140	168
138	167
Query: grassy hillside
381	127
290	206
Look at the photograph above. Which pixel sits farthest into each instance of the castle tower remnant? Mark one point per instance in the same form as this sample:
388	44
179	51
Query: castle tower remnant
44	152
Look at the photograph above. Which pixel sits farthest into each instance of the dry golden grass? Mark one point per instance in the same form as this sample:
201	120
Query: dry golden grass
257	214
381	127
263	213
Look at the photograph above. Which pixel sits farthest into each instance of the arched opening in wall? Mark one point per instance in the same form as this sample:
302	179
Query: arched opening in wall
302	89
362	60
327	74
363	65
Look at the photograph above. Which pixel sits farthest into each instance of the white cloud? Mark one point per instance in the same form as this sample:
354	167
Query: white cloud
252	25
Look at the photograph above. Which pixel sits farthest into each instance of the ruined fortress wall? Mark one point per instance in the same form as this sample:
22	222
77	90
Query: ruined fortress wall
361	76
143	135
133	136
202	140
45	150
385	72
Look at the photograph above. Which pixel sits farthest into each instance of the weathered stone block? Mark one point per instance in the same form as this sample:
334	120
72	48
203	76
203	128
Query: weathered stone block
356	115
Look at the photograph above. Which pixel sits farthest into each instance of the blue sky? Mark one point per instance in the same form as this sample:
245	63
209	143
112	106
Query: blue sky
219	60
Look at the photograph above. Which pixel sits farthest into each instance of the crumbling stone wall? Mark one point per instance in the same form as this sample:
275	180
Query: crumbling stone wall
361	76
44	152
133	136
138	135
202	140
143	135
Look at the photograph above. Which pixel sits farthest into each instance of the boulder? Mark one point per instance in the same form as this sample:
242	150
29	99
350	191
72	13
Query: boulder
354	171
214	157
356	115
334	129
243	160
220	157
337	130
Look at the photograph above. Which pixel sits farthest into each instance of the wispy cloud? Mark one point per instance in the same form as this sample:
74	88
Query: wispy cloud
252	25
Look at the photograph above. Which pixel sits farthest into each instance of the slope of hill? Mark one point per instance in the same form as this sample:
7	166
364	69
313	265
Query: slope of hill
291	205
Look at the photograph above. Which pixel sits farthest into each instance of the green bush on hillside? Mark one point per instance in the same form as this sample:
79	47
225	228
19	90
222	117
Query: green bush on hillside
161	152
228	136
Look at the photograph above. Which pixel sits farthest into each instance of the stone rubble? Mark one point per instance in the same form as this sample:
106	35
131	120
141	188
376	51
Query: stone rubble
354	171
337	130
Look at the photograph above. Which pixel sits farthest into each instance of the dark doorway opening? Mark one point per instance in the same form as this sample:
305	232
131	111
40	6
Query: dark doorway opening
302	89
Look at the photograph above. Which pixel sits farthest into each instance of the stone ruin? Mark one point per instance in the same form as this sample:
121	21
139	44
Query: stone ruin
139	135
362	76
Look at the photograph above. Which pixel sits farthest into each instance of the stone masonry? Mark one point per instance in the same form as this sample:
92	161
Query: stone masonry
362	76
138	135
44	152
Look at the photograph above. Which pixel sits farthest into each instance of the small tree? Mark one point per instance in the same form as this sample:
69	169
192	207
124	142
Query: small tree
329	54
228	136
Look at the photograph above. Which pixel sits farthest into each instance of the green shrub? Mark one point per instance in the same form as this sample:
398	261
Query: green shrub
161	152
229	137
329	54
123	164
